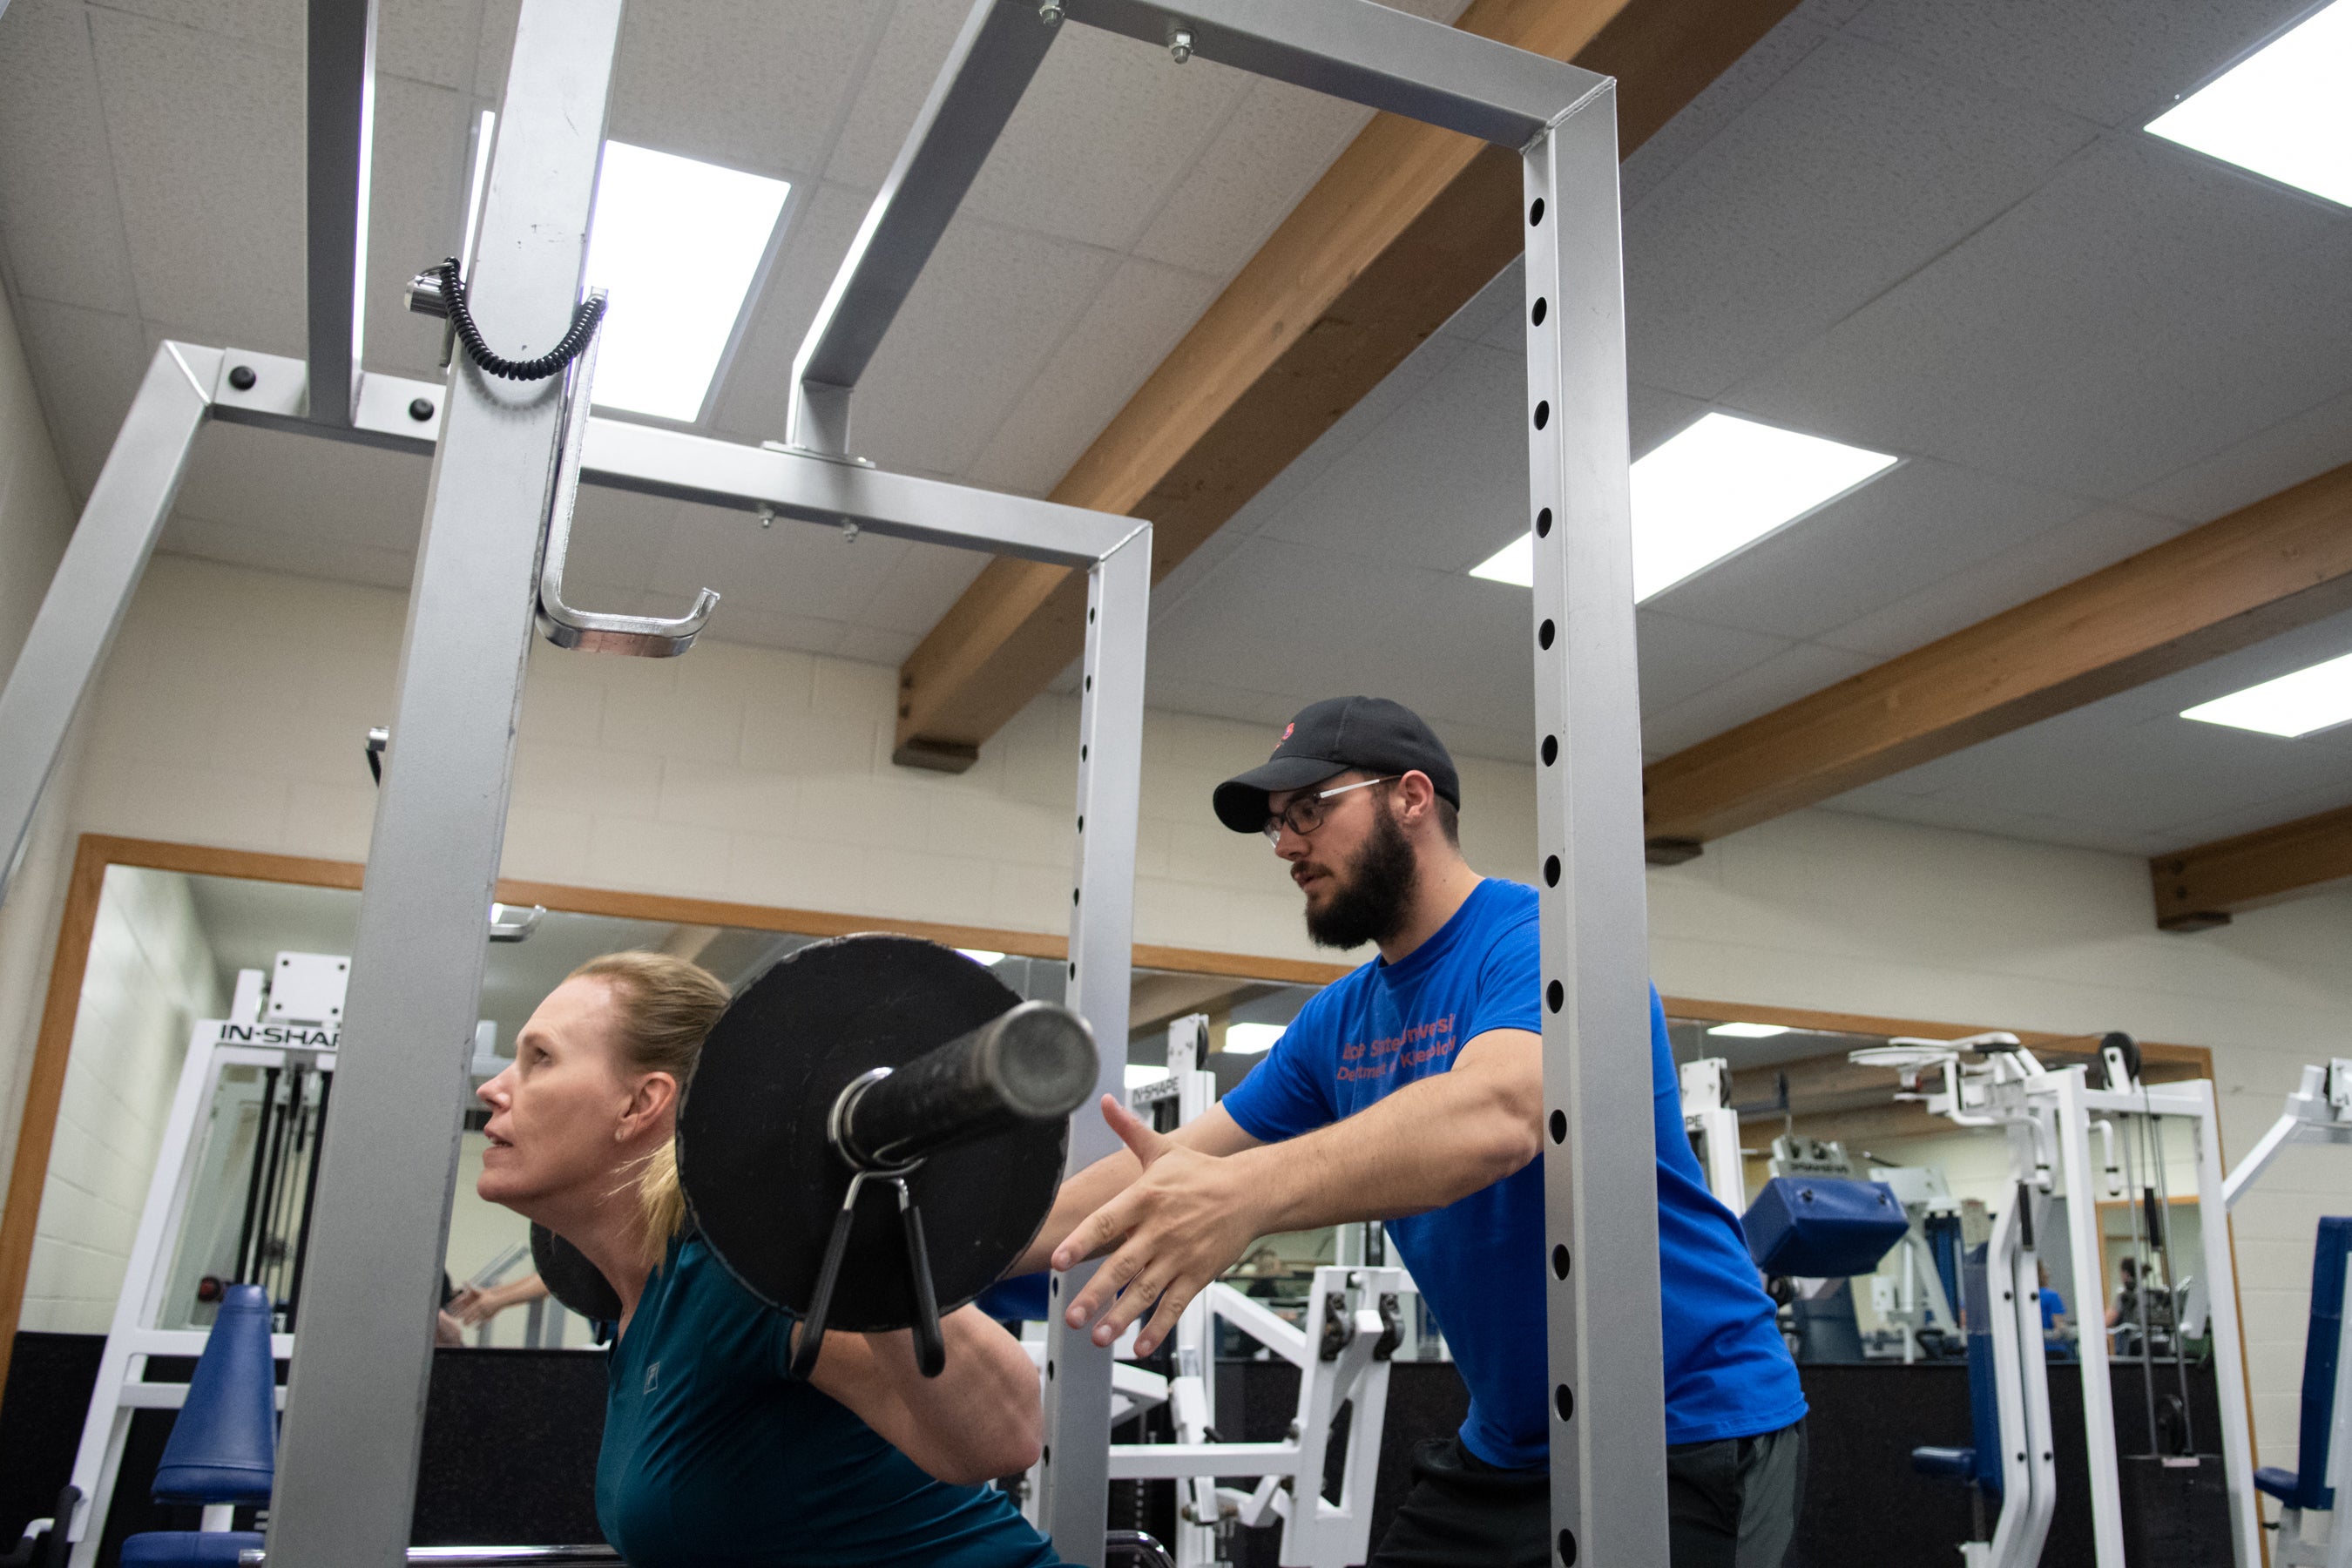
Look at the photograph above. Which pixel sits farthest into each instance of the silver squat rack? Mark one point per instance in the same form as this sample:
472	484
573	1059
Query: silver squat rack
356	1401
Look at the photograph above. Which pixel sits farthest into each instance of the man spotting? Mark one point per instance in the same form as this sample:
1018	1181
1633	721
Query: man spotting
1412	1091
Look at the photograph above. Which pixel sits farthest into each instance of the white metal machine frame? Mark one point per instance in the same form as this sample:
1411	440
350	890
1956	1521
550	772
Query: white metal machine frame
1353	1310
505	457
2047	1118
2318	1111
215	1045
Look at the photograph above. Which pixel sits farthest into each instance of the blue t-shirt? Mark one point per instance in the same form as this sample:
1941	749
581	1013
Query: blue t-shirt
1479	1261
714	1457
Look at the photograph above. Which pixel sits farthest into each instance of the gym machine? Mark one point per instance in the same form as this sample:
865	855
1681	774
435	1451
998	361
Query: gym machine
230	1198
2313	1493
2047	1118
508	455
1347	1335
1713	1129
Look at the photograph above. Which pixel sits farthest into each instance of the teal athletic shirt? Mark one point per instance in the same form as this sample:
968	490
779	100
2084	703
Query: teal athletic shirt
1479	1262
713	1456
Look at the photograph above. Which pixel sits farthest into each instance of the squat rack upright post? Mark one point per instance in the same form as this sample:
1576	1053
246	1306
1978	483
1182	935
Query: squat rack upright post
363	1360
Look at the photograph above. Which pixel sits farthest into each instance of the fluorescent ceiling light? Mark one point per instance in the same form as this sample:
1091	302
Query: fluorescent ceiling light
981	955
677	243
2316	699
1251	1039
1749	1031
2282	111
1712	491
1514	563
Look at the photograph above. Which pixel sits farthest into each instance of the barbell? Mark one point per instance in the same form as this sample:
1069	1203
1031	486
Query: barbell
876	1129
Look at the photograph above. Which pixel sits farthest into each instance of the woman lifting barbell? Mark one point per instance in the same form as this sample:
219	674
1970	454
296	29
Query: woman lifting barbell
713	1453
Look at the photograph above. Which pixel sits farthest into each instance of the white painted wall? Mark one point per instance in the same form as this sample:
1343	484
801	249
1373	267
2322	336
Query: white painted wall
233	710
36	517
151	976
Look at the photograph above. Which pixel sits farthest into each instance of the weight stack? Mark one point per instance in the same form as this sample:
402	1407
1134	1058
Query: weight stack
2175	1511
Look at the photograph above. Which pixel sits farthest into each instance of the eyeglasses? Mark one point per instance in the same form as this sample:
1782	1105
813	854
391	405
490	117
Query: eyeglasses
1305	814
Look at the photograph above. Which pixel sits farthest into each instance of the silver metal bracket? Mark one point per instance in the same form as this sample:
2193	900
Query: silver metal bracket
645	636
519	923
797	450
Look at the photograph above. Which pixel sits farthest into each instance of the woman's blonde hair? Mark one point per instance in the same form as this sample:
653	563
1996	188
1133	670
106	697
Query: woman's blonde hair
667	1006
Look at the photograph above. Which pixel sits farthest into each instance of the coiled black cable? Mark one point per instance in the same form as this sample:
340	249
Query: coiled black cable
585	318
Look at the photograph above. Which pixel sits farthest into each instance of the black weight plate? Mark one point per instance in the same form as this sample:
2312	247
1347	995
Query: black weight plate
570	1278
764	1184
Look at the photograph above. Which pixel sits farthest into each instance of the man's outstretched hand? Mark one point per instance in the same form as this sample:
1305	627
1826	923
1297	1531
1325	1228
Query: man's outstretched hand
1180	1224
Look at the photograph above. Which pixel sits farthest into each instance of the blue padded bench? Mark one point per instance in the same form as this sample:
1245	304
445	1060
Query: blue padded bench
2306	1486
1981	1464
224	1447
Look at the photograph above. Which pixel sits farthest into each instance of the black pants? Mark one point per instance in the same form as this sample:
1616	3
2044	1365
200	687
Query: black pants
1730	1504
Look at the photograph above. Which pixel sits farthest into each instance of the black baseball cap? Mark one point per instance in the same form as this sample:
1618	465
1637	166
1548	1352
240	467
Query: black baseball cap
1327	739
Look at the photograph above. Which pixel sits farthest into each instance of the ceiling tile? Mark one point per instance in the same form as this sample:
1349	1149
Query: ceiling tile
1679	658
872	644
2111	61
1129	328
1902	532
618	536
1746	694
57	206
1441	484
919	586
753	84
416	215
2296	449
1730	264
987	314
1773	682
279	23
494	49
790	568
2145	308
207	139
755	397
1300	624
2072	549
1107	129
1748	78
310	494
914	44
434	41
87	365
1269	154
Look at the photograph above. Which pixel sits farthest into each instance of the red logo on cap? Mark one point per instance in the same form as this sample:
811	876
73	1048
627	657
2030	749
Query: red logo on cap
1286	729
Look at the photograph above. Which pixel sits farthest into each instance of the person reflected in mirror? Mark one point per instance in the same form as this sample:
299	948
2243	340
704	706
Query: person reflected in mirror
1411	1091
713	1453
475	1305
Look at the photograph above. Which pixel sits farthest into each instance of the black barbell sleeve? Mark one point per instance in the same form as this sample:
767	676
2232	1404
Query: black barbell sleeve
1035	1063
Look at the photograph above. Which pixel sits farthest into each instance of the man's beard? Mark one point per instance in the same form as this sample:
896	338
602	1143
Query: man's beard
1369	900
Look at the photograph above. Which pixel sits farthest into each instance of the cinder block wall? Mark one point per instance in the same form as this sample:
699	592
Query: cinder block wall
151	976
36	517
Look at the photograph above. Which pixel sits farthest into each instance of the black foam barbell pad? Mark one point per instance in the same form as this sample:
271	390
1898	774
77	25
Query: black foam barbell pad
570	1278
762	1179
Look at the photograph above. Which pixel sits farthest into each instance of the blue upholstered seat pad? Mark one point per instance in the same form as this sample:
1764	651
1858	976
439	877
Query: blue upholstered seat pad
2306	1486
1955	1464
167	1548
224	1443
2277	1482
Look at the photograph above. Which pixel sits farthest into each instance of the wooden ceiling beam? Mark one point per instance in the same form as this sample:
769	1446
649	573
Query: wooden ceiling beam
1405	227
2265	569
2198	888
